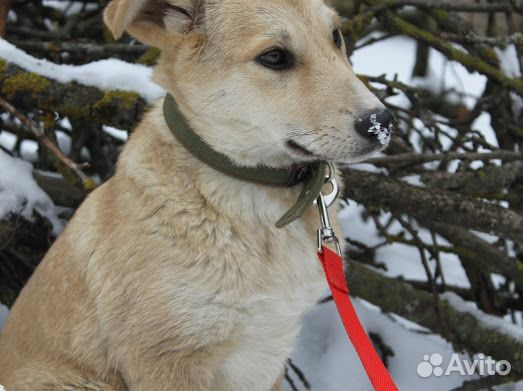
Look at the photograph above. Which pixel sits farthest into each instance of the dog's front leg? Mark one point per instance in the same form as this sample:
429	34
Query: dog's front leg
279	381
173	371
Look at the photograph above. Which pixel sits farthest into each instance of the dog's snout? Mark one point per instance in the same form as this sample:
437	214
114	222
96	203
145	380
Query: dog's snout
376	125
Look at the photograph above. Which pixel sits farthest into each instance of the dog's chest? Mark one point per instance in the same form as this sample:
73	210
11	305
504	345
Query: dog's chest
253	282
270	319
265	340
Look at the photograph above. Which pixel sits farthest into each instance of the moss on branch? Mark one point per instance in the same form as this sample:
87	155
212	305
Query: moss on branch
29	91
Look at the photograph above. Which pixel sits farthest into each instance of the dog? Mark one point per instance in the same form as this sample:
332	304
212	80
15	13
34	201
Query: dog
172	275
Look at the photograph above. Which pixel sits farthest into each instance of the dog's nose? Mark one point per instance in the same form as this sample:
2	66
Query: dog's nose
376	125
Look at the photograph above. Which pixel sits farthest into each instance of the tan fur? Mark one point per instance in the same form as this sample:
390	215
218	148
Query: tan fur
172	276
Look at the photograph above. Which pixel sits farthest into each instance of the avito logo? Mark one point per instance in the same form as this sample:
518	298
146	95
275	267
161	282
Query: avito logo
433	365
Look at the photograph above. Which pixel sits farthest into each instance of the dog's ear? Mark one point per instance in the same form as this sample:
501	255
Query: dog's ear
150	20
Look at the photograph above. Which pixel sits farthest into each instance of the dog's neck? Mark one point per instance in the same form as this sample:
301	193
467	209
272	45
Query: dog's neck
261	174
161	169
311	175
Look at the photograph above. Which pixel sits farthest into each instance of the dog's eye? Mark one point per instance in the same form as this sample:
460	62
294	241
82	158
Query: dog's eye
277	59
336	36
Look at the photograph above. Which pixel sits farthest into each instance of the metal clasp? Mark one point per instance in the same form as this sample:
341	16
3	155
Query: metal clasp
326	233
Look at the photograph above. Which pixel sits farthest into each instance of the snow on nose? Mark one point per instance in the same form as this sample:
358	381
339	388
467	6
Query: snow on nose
377	125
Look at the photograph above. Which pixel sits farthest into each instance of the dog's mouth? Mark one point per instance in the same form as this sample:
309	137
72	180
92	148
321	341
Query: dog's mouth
362	154
299	148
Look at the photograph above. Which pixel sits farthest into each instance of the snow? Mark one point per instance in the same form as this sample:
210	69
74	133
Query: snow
64	142
70	7
7	140
510	65
483	123
20	193
401	260
11	16
29	150
110	74
508	59
330	362
488	321
442	74
414	180
367	167
118	134
379	130
4	311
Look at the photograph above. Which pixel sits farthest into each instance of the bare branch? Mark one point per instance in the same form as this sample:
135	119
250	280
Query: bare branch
430	205
487	182
419	158
486	256
457	6
78	47
471	62
470	37
87	183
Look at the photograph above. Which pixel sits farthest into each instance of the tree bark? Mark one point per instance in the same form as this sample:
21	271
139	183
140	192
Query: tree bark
4	10
374	190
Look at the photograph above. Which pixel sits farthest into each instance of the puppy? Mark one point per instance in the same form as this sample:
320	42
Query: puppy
172	275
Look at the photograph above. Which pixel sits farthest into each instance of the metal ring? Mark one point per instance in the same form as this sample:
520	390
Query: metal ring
331	173
331	197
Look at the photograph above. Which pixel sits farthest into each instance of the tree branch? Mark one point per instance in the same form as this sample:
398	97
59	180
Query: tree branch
471	62
456	6
28	91
61	192
4	10
487	257
488	182
393	295
419	158
375	190
78	47
74	168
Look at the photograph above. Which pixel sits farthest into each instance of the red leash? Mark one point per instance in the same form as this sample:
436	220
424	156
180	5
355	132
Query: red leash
333	266
376	371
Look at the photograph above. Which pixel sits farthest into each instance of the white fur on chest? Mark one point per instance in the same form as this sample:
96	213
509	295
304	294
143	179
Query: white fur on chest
262	322
270	320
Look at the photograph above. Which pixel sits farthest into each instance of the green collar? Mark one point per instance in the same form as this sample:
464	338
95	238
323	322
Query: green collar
311	175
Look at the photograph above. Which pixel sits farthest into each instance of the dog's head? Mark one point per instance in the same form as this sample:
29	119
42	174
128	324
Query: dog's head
263	81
